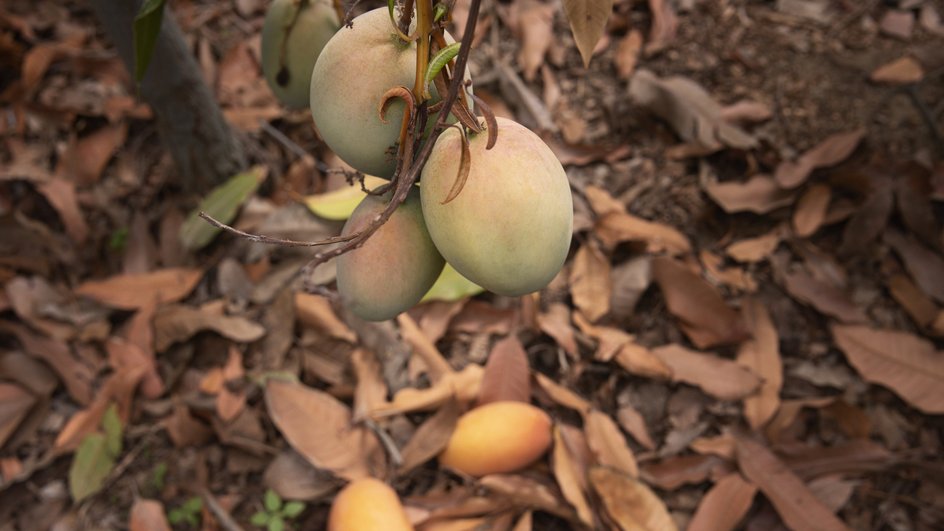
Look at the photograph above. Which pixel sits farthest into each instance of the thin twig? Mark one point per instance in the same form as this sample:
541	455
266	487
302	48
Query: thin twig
387	442
260	238
222	516
282	139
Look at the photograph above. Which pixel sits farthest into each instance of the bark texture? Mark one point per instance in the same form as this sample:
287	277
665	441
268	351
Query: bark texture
188	117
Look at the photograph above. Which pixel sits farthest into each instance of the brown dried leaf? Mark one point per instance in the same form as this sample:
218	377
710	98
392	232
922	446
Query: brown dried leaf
536	28
617	227
463	386
525	491
184	429
590	281
823	296
61	195
906	364
561	395
760	194
507	375
746	111
690	110
719	377
293	478
901	71
868	221
676	471
315	311
436	365
627	54
15	403
556	323
319	428
664	25
731	276
84	160
639	360
913	300
570	478
430	438
587	22
925	266
898	23
148	515
130	292
761	354
177	322
74	373
630	280
371	391
703	315
607	443
630	503
794	502
810	212
633	422
856	456
724	505
835	149
832	490
756	249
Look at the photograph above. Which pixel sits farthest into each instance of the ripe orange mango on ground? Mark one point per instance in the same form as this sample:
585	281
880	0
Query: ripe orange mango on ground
496	438
368	504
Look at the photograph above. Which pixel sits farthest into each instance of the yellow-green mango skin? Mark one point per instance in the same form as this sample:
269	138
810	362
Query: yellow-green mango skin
509	229
315	26
395	267
355	69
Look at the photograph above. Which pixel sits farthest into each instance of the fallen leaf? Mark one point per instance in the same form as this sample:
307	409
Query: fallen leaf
788	413
525	491
926	267
794	502
831	151
630	503
761	354
633	422
746	111
617	227
833	491
85	159
148	515
703	315
61	195
630	280
431	438
293	478
590	281
371	391
463	386
724	505
507	375
561	395
690	110
760	194
901	71
131	292
15	403
607	443
555	322
319	428
823	296
720	445
906	364
627	54
436	365
732	276
570	478
229	404
868	221
810	212
898	24
184	429
536	21
676	471
664	25
931	19
752	250
177	323
856	456
587	22
719	377
921	308
76	375
316	312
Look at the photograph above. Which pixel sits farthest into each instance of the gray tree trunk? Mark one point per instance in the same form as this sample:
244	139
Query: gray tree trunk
188	117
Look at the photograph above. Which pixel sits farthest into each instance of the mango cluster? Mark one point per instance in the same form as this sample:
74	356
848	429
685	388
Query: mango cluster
508	230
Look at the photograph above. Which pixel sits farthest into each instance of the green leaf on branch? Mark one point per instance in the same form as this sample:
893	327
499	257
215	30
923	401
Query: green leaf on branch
451	286
145	29
222	204
338	204
587	22
440	60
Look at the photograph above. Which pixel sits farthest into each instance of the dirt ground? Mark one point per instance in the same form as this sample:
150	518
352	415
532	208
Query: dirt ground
747	333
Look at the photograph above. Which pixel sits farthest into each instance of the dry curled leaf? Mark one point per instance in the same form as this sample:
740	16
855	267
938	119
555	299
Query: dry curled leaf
555	322
130	292
535	26
430	438
761	354
831	151
901	71
616	227
587	22
756	249
719	377
824	296
570	478
608	444
590	281
178	323
148	515
507	375
906	364
760	194
810	212
703	315
926	266
630	504
724	505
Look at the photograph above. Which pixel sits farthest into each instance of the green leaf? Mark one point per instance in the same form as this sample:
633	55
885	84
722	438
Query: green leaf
451	286
145	30
112	425
159	476
440	60
293	509
175	516
90	466
439	11
193	505
260	519
272	501
338	204
222	204
276	523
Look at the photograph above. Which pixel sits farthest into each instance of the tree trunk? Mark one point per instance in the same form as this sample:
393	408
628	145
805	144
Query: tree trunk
188	117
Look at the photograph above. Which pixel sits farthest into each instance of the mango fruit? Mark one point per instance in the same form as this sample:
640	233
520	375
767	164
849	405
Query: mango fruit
303	31
395	267
367	504
509	229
